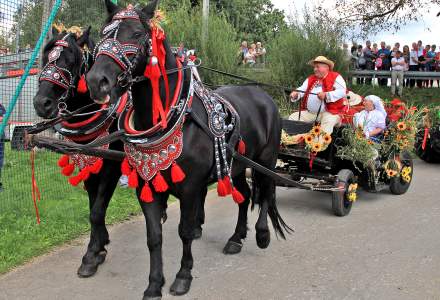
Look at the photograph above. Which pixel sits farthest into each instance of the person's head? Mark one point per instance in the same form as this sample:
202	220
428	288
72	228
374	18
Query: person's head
244	44
388	47
321	66
253	46
397	45
398	54
433	47
419	44
414	46
382	45
359	48
375	46
368	104
373	102
427	47
368	43
405	49
259	45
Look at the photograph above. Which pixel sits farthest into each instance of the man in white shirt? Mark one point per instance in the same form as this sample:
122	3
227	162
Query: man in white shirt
414	65
397	69
323	96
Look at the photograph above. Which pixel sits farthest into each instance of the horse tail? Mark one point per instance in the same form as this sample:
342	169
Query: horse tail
279	225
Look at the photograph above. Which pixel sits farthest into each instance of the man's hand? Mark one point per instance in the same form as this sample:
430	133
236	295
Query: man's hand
322	96
294	96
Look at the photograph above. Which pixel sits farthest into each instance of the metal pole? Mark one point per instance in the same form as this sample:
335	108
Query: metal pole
205	27
47	4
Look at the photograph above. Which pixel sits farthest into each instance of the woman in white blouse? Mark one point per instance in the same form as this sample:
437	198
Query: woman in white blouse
373	118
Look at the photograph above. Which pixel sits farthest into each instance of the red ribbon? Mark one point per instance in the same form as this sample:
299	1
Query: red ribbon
312	159
425	138
154	72
35	190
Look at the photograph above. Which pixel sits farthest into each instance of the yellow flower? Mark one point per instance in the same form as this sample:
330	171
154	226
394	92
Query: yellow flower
401	126
370	142
352	197
327	138
308	139
316	130
407	178
317	147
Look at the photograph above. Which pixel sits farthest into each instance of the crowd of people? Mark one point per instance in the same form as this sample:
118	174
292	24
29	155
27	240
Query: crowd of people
385	58
252	56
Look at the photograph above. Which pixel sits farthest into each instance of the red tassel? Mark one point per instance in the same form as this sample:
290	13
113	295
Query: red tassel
97	166
221	189
228	185
133	179
159	183
75	180
63	161
241	147
125	167
237	196
82	85
177	174
84	174
68	170
146	193
425	138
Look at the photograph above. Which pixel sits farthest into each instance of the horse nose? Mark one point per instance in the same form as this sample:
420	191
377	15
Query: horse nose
44	106
99	85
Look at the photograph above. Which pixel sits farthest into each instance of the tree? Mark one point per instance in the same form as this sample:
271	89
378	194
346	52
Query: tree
375	15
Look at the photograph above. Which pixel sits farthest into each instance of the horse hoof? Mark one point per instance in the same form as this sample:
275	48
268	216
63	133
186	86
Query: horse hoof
180	286
151	298
89	269
85	271
263	238
197	233
232	247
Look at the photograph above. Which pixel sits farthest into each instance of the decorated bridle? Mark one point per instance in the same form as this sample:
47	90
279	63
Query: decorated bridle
59	76
121	53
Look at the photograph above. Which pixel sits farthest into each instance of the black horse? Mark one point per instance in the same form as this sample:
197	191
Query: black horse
72	62
260	128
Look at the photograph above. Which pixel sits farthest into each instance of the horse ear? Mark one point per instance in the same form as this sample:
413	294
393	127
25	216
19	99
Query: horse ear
54	31
84	39
150	9
111	7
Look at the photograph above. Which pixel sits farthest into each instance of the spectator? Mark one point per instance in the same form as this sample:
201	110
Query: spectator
385	62
437	64
2	145
250	57
420	45
398	67
375	49
430	65
395	49
414	64
260	54
405	55
369	59
360	62
242	52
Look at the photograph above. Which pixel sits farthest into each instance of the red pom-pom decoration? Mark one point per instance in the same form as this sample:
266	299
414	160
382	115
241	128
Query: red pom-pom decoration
177	174
63	161
96	167
82	85
68	170
146	193
133	179
159	183
237	196
221	189
125	167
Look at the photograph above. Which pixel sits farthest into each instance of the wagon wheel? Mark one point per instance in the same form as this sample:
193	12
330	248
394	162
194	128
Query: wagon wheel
343	200
399	185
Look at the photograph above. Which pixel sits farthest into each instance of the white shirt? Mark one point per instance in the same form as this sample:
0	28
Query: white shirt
370	120
313	103
414	55
398	67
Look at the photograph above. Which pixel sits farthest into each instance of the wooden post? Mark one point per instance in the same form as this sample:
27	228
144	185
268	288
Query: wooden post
205	26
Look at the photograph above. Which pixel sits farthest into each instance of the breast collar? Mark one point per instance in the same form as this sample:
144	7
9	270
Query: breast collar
175	118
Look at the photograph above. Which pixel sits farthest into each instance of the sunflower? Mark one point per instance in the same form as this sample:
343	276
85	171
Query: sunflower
317	147
407	178
327	138
370	142
308	138
316	130
391	173
401	126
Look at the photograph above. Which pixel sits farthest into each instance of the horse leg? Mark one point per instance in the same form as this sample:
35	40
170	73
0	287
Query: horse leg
100	188
200	220
153	213
235	242
188	210
265	190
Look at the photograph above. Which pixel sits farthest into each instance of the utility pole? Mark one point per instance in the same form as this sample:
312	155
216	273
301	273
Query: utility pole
47	6
205	23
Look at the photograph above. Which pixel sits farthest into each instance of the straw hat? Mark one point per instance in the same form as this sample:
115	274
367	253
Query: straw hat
322	60
354	99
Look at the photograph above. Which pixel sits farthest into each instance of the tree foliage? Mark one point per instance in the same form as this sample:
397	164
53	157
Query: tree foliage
372	16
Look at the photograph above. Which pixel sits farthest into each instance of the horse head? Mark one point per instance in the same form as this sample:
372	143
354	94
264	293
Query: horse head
122	53
65	59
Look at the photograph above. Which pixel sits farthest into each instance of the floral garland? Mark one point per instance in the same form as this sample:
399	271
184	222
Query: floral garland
317	140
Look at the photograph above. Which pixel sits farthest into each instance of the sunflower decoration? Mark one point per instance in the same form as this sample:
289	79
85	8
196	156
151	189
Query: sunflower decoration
317	140
405	174
392	168
401	126
352	192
